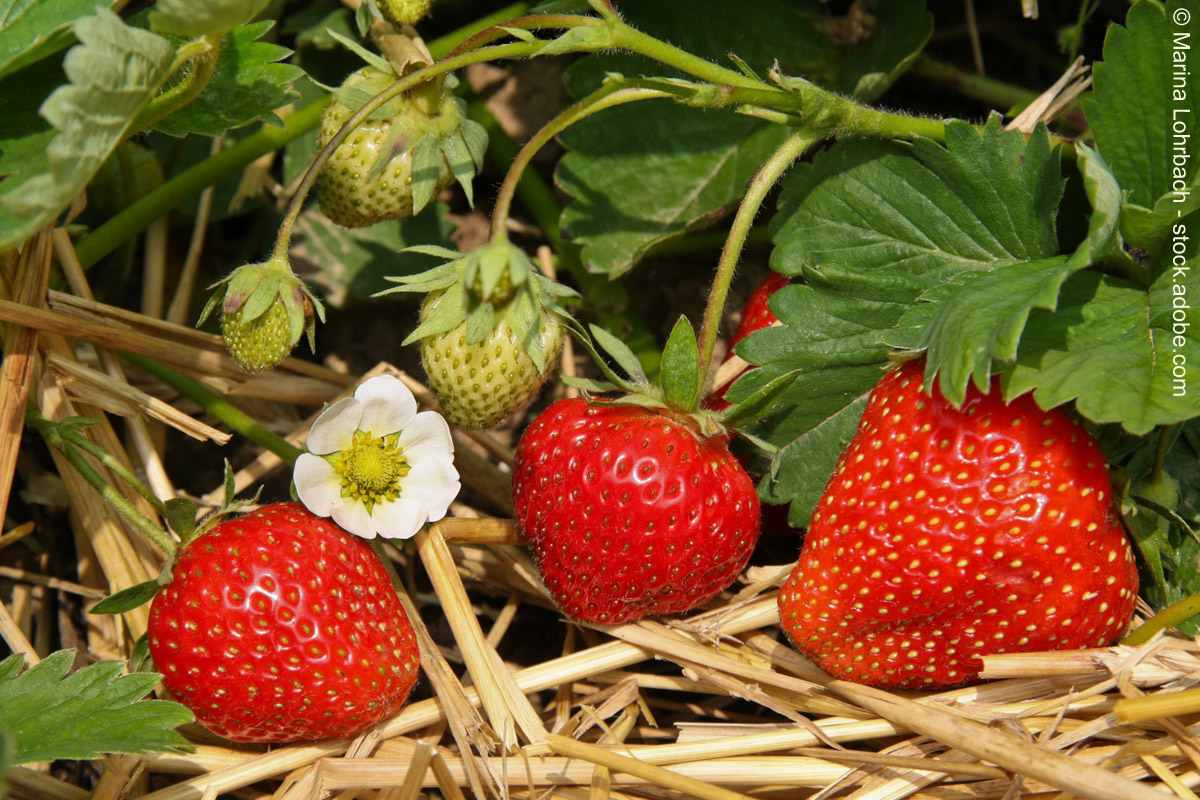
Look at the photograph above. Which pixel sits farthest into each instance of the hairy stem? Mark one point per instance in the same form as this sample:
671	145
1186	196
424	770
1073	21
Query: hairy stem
60	439
770	171
607	96
202	55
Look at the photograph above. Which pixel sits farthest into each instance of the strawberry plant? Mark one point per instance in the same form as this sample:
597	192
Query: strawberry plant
965	366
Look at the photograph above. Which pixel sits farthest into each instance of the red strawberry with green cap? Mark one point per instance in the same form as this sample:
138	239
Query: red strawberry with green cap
634	506
948	534
631	511
279	626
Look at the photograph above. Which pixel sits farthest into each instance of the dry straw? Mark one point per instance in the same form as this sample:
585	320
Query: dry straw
519	702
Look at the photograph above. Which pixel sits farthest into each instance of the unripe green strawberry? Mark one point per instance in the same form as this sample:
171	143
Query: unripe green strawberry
354	187
477	385
265	309
259	344
404	12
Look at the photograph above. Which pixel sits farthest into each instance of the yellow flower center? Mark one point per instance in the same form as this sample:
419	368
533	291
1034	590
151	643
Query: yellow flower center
371	468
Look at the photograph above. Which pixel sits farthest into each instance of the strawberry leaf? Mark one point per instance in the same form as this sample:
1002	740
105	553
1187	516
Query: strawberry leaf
188	19
94	711
988	196
1123	354
703	170
247	85
113	72
680	375
983	319
619	352
832	332
33	29
1133	105
426	167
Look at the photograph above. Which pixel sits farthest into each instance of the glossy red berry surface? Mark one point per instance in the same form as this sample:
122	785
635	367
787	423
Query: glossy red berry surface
279	626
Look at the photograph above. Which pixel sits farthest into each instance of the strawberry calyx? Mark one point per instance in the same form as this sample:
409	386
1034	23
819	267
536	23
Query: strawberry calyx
428	121
492	285
677	391
264	310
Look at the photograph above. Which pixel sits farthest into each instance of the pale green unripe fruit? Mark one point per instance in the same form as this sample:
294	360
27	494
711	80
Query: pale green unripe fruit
479	385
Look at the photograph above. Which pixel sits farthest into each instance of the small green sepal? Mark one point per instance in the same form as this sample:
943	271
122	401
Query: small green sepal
680	372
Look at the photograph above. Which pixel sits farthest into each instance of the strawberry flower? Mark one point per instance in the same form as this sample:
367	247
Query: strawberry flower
377	466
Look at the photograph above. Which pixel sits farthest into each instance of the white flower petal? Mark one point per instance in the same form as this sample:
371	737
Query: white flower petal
317	484
399	519
388	405
334	429
432	482
427	435
352	515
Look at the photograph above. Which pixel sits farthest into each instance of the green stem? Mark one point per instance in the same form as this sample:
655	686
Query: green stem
629	38
113	465
444	45
203	56
134	219
606	96
219	407
997	94
58	438
762	182
1169	617
1160	451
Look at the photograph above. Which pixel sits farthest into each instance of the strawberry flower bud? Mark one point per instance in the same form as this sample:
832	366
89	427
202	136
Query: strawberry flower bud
377	466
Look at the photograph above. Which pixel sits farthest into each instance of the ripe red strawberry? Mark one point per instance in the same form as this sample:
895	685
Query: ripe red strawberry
949	534
279	626
631	512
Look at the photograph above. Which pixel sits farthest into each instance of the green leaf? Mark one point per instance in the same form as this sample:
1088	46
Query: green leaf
1139	92
619	352
759	404
988	196
588	384
1124	355
680	375
682	170
181	516
832	333
94	711
980	317
188	19
33	29
248	85
114	71
127	599
352	264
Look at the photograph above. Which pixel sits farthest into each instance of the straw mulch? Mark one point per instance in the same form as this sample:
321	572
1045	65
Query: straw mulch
714	705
